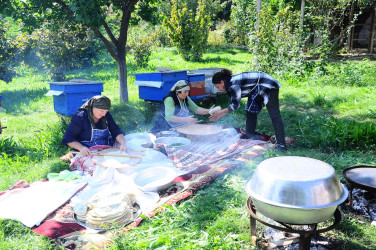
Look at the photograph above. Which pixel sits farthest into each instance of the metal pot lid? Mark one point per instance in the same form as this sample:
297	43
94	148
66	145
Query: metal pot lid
361	176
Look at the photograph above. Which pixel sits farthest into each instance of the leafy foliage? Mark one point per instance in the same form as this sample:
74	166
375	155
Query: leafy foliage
95	15
277	43
9	50
189	26
241	22
65	49
141	43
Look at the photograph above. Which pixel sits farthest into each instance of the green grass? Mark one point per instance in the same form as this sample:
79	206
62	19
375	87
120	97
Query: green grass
332	116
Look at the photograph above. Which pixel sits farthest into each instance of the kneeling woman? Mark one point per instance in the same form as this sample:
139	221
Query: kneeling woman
93	125
176	109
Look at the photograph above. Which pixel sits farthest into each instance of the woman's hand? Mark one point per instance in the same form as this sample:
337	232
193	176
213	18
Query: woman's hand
84	151
214	109
190	119
121	139
217	115
123	147
78	146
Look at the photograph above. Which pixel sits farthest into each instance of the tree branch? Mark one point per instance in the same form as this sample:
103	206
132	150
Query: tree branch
109	33
62	4
107	43
126	9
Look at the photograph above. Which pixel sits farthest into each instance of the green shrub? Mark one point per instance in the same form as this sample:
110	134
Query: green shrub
228	34
189	26
161	36
65	49
215	39
141	41
242	17
142	51
10	48
277	44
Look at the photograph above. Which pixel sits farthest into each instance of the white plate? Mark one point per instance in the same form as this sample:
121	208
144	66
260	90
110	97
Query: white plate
144	136
173	141
154	179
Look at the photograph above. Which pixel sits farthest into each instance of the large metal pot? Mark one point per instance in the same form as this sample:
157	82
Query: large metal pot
296	190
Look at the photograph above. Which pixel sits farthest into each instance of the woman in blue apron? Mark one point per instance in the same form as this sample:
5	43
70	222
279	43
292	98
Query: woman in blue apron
177	109
93	125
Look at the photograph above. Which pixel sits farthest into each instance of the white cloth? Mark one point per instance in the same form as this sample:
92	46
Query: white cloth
32	205
106	180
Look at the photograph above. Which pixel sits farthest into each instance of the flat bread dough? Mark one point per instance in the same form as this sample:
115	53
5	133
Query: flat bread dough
200	129
117	162
107	210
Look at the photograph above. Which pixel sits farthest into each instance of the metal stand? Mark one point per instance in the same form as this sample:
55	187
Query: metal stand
305	235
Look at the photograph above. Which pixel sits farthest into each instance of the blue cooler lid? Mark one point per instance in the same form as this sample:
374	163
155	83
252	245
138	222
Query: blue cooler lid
77	81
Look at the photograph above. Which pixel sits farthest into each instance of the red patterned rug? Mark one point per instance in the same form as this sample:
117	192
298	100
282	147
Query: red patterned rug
67	233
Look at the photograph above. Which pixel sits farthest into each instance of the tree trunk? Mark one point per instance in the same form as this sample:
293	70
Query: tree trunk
351	26
257	28
371	38
302	14
258	10
123	87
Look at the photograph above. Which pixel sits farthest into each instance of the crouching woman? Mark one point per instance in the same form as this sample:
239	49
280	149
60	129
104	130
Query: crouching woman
93	128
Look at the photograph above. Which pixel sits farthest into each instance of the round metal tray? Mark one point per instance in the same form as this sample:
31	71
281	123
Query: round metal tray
362	176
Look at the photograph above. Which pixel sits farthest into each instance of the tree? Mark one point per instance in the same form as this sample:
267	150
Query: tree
108	19
8	51
189	26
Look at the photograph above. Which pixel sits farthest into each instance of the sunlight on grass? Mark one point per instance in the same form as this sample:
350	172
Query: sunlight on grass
331	115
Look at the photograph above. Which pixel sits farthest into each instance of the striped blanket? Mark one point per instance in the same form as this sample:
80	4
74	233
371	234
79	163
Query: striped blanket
204	152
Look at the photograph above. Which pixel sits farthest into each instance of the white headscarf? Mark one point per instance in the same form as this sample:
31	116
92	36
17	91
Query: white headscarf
180	86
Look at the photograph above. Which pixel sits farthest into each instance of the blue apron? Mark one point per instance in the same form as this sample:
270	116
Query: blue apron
98	137
161	124
182	113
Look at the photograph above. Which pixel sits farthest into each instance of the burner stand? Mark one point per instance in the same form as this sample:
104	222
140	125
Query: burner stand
305	235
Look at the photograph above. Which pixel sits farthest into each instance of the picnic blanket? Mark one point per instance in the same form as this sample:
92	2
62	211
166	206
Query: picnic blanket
32	203
183	187
200	152
202	166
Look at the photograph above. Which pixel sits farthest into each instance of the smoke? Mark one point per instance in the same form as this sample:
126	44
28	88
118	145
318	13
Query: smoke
232	119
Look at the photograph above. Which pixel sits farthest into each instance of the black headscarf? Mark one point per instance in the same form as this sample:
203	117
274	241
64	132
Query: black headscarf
99	102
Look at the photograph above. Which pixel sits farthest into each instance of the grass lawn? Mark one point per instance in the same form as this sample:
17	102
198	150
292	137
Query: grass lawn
331	114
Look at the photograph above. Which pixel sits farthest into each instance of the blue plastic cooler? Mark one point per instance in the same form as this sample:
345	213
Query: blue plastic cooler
155	86
69	96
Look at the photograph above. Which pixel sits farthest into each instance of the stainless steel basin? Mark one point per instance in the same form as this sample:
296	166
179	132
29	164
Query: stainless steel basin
296	190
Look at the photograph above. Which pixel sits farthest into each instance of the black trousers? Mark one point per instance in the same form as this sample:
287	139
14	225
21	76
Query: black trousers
275	116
